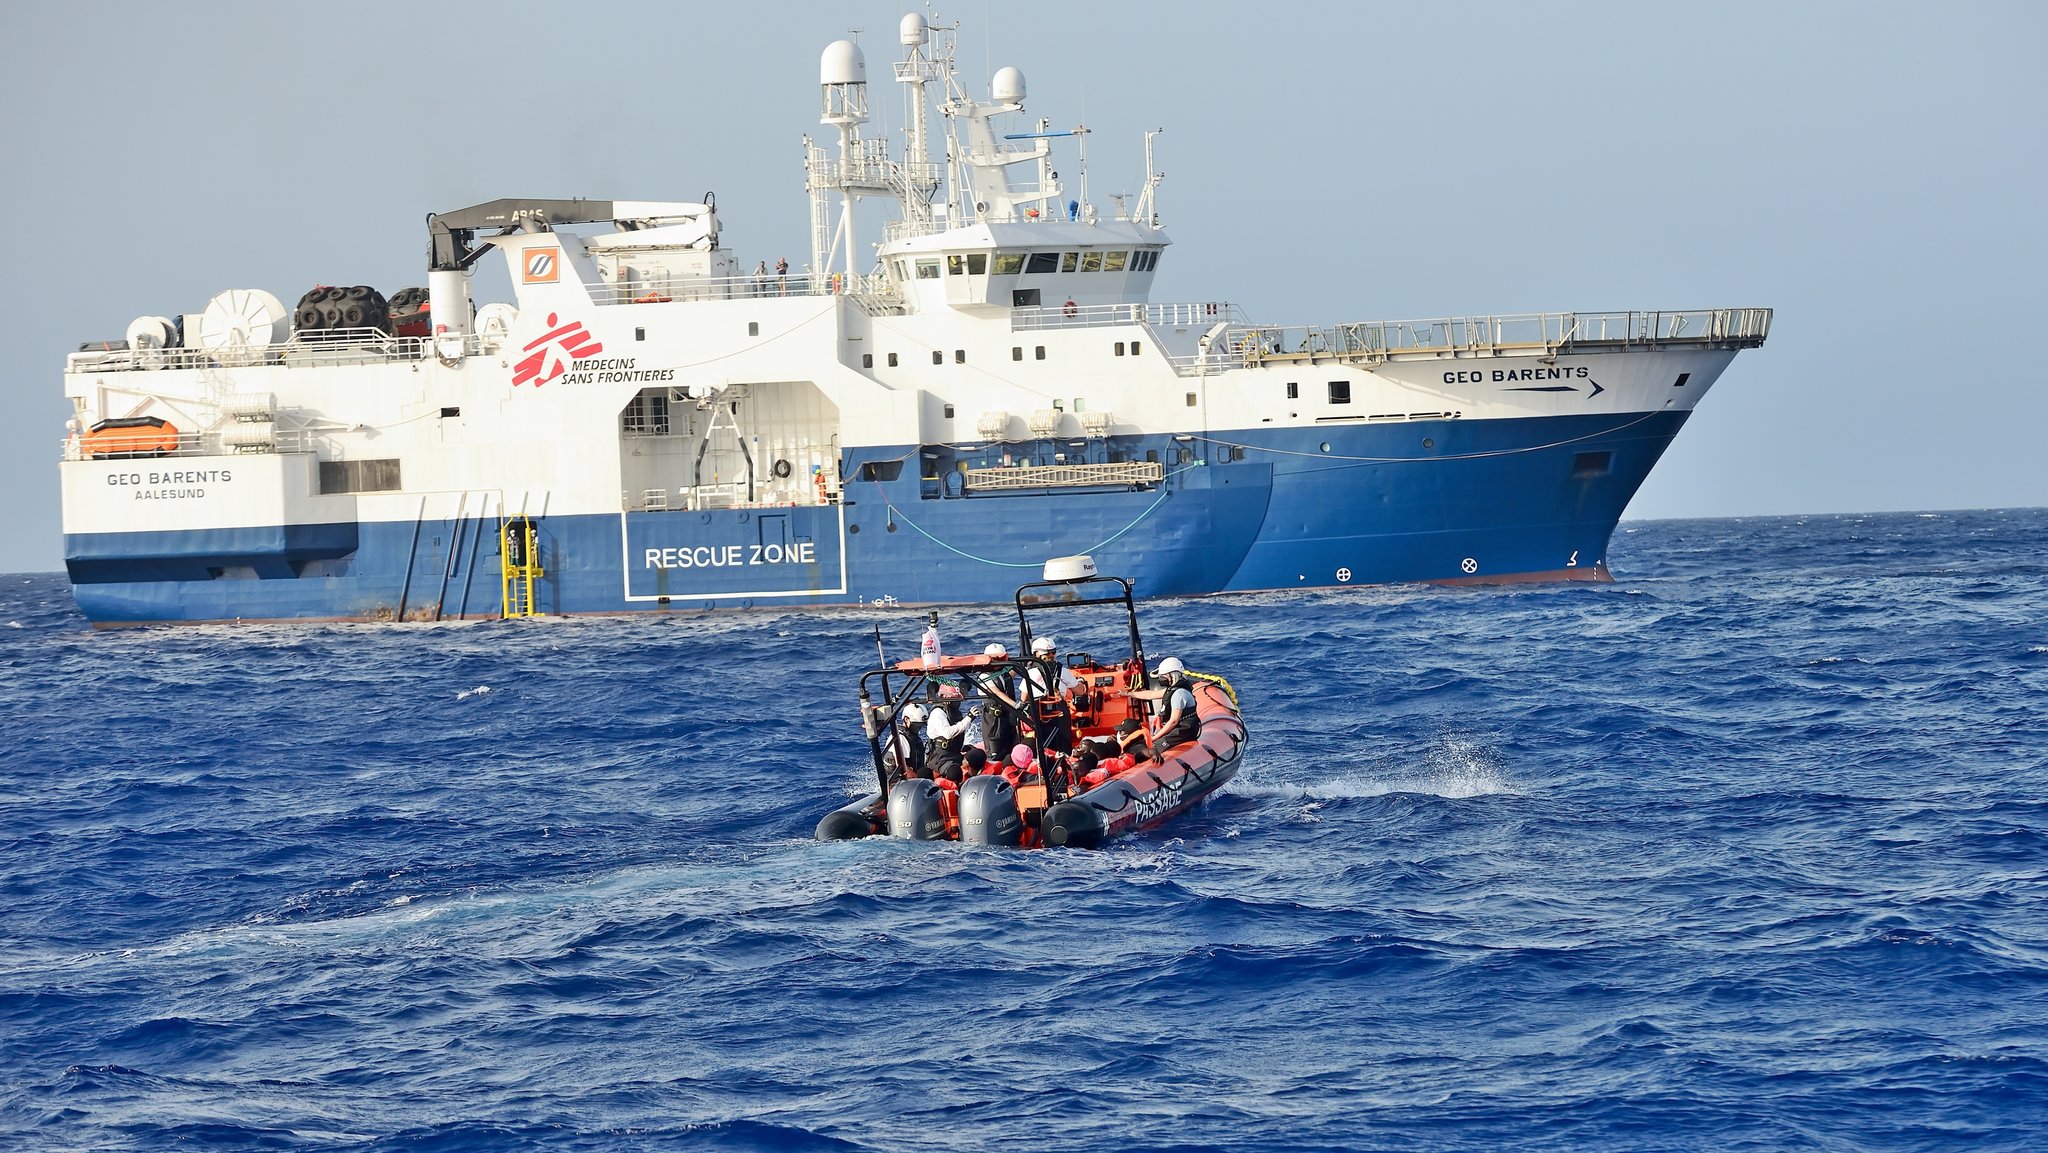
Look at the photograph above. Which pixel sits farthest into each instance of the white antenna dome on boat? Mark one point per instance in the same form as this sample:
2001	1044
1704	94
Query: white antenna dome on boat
913	31
1007	87
842	63
1068	568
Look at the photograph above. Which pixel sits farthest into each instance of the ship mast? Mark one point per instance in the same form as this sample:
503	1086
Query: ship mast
917	69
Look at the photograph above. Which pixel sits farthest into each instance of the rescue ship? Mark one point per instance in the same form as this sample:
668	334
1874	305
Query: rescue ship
1036	749
659	420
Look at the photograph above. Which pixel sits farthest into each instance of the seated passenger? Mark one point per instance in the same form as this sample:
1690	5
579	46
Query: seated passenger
1130	739
1023	767
974	762
1087	770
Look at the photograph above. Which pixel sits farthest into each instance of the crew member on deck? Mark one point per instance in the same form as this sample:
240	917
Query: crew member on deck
1048	683
944	734
1180	723
998	704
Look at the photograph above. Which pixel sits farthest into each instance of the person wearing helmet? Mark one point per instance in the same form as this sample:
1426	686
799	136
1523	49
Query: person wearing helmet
1049	683
945	733
1180	724
906	744
1047	669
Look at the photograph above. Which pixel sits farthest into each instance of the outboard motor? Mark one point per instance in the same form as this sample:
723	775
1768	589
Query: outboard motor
915	811
988	812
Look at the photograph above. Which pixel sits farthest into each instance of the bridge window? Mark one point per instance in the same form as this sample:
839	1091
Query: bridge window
928	268
1114	261
1043	262
1091	262
977	264
1009	263
1340	392
1068	261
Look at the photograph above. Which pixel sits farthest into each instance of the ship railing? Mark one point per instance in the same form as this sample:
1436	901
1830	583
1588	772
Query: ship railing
1120	474
645	289
1543	334
1203	314
706	497
304	349
235	438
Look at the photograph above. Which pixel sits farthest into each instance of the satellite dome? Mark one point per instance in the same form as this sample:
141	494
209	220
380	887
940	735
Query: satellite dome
913	32
842	63
1008	86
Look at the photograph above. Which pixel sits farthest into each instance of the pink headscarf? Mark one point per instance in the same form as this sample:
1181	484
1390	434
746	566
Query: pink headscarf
1021	756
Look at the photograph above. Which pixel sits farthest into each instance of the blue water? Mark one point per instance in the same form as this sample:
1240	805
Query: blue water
1745	851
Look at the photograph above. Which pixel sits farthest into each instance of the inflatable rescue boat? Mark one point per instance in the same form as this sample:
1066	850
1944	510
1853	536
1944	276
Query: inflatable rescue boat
1038	749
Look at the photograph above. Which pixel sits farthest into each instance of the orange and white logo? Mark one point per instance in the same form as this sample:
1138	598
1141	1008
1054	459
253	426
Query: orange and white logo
543	265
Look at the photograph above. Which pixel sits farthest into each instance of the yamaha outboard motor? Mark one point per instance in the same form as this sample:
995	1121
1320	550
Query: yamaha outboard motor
988	812
915	811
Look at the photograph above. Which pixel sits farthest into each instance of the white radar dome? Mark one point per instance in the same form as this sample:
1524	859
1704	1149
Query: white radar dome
913	32
1007	87
842	63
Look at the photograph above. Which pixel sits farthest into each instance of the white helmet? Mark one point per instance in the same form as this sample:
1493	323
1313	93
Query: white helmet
913	713
1043	645
996	650
1171	665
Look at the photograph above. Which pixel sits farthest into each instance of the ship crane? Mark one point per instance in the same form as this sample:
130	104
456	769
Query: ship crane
452	237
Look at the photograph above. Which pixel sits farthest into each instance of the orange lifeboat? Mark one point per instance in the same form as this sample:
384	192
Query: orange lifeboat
126	436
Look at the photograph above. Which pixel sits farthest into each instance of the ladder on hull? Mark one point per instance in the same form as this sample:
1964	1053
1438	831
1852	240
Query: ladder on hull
519	548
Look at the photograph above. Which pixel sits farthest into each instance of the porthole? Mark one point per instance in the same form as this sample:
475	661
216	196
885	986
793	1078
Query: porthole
1326	446
1429	442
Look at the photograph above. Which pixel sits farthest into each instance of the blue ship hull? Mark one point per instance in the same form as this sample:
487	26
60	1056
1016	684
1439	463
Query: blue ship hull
1443	500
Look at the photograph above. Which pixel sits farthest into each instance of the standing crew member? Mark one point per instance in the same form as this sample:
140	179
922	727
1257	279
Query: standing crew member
1048	682
998	706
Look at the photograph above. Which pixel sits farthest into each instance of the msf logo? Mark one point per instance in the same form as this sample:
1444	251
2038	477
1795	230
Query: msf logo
551	352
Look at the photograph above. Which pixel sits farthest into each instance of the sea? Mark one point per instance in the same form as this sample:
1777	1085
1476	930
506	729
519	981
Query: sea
1742	851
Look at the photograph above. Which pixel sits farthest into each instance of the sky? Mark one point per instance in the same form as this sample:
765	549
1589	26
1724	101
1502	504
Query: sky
1872	171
